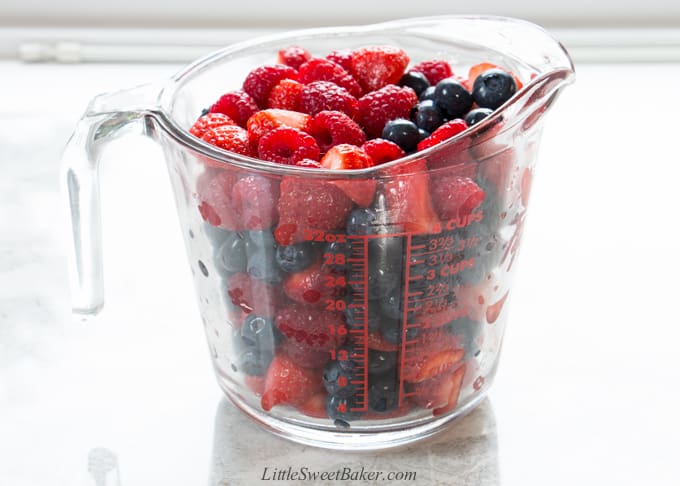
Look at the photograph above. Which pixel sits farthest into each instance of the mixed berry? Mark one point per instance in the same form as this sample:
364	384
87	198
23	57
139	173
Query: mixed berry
319	274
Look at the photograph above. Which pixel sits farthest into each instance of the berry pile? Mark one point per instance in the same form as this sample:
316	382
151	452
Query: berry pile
283	246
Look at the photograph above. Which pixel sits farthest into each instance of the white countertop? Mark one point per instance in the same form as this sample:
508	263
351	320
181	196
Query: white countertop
587	391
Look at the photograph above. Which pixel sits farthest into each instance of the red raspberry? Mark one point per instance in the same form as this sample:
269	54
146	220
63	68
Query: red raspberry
267	120
434	70
261	80
237	105
444	132
254	198
287	145
455	197
206	122
229	137
324	95
307	204
381	150
285	95
287	383
252	295
310	326
325	70
375	67
342	58
331	128
294	56
213	191
388	103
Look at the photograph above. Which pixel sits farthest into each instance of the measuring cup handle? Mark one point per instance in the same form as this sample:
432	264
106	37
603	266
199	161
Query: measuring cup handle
107	117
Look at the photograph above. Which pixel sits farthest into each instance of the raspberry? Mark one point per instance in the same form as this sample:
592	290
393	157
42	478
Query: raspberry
455	197
388	103
213	191
287	383
208	121
309	326
294	56
229	137
285	95
331	128
324	95
342	58
307	204
444	132
375	67
261	80
325	70
381	150
267	120
434	70
287	145
252	295
237	105
254	198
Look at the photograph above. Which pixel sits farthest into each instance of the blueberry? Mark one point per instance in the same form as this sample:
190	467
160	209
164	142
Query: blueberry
354	316
339	409
383	393
452	98
381	361
423	134
260	332
338	380
262	266
428	94
204	111
468	331
427	116
402	132
263	239
416	81
294	258
392	332
216	235
475	116
334	254
254	363
391	307
492	88
230	256
344	356
363	221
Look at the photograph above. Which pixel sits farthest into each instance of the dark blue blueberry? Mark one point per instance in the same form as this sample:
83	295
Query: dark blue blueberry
339	410
204	111
492	88
452	98
216	235
338	380
331	259
475	116
391	306
263	239
383	393
416	81
262	266
354	316
253	362
402	132
428	94
260	332
427	116
294	258
345	357
230	256
385	267
363	221
423	134
381	361
392	333
467	331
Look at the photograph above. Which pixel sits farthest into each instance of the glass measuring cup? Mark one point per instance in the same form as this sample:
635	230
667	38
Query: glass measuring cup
403	334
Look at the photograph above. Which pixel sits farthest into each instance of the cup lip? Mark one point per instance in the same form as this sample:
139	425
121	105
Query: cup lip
182	136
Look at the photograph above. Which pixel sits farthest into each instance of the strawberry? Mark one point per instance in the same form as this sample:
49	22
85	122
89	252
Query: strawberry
293	56
237	105
494	310
315	406
252	295
455	384
525	185
377	341
455	197
324	95
255	384
438	353
327	70
308	163
343	157
303	355
342	58
267	120
229	137
440	393
306	205
260	81
478	69
289	384
254	198
476	299
434	70
214	193
287	145
331	128
444	132
285	95
376	67
208	121
382	151
309	287
388	103
407	195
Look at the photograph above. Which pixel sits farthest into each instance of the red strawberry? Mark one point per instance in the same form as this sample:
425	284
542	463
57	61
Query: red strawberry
326	70
229	137
307	204
206	122
267	120
285	95
447	130
289	384
261	80
438	353
525	186
315	406
478	69
434	70
252	295
254	198
303	355
331	128
324	95
309	286
214	193
237	105
375	67
377	341
255	383
440	393
381	150
494	310
455	382
294	56
407	195
308	163
342	58
455	197
287	145
343	157
388	103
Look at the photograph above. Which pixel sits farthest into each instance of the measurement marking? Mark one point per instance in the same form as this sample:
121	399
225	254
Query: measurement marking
417	277
412	341
417	262
415	294
417	247
356	282
410	394
407	270
434	252
355	260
